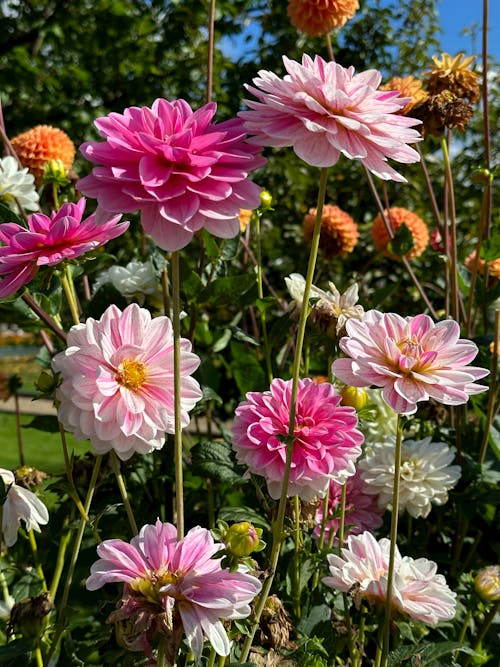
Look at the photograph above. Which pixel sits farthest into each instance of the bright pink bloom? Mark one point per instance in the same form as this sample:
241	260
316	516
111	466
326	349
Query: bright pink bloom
179	579
326	439
362	510
412	358
118	381
179	169
50	241
322	110
418	590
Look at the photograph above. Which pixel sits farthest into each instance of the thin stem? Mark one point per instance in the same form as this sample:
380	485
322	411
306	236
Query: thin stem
115	466
45	317
19	432
69	474
329	47
160	660
277	528
490	410
430	190
465	626
260	294
481	633
393	538
38	657
38	566
455	309
179	478
379	643
61	555
210	54
55	196
69	291
165	292
342	515
296	556
211	658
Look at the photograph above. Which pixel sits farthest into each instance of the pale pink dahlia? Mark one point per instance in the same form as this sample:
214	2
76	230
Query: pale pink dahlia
173	585
412	358
326	439
322	110
362	510
49	241
418	591
118	381
180	170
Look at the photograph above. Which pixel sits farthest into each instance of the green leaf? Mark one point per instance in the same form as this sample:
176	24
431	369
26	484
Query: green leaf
211	247
240	513
319	614
494	440
247	371
47	423
228	290
214	459
8	215
402	242
490	248
427	653
17	653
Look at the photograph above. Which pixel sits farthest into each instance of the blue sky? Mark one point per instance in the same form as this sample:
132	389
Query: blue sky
459	14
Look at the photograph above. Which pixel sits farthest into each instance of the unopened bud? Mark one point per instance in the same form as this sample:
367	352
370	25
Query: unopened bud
242	539
46	382
266	199
487	583
55	172
30	616
354	397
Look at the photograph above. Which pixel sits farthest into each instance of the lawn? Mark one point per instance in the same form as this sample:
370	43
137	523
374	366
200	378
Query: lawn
41	450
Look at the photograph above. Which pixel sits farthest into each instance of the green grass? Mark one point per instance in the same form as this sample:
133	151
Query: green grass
41	450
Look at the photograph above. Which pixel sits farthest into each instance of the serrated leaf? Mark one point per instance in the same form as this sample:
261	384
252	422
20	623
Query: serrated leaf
214	459
46	423
402	242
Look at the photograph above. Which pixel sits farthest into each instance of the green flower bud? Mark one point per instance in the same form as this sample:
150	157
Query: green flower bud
55	172
242	539
266	199
355	397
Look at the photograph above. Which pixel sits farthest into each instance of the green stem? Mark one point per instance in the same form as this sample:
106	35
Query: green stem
211	658
38	566
379	642
393	537
69	474
490	410
481	633
277	527
296	557
4	586
455	309
342	515
69	291
465	626
38	657
61	554
115	466
160	660
321	541
55	195
260	293
179	478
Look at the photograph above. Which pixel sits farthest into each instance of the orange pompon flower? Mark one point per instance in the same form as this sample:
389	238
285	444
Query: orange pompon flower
407	86
397	217
41	144
244	216
339	232
493	265
453	75
317	17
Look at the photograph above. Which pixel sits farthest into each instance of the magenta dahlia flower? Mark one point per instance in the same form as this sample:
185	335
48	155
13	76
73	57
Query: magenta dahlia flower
118	381
418	592
326	439
362	510
322	110
173	585
180	170
50	241
412	358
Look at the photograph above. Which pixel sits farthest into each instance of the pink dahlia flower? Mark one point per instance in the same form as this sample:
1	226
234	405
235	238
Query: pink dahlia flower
20	505
326	439
412	358
50	241
322	110
362	510
418	591
118	381
180	170
178	580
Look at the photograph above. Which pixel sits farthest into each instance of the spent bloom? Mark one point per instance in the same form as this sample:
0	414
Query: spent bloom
118	381
43	143
136	280
362	510
326	440
425	478
48	241
323	110
20	505
453	74
173	586
317	17
180	170
17	186
411	358
418	592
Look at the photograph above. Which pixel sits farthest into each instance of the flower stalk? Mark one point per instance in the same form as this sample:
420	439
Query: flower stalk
176	316
115	466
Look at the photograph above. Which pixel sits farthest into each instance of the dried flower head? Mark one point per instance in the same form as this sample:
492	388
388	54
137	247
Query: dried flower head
407	86
454	75
339	232
493	265
442	110
317	17
41	144
397	217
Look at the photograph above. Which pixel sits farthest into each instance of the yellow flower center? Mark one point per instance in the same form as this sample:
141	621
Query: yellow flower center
131	374
410	347
150	587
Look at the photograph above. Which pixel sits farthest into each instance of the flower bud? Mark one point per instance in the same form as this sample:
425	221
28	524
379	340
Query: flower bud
46	382
354	397
30	616
482	176
242	539
266	199
54	171
487	583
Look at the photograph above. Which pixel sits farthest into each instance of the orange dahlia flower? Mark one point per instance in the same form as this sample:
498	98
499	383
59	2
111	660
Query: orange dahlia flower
407	86
493	265
41	144
397	217
339	232
317	17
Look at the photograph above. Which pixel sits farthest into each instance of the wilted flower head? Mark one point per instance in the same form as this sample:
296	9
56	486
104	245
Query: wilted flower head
396	217
487	583
322	110
48	241
41	144
409	87
180	170
20	505
339	232
425	478
453	74
17	186
118	381
134	281
317	17
418	591
175	585
437	112
362	510
326	439
412	358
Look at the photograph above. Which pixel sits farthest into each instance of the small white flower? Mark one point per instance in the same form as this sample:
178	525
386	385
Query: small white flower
17	185
134	281
20	504
426	474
